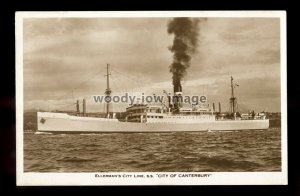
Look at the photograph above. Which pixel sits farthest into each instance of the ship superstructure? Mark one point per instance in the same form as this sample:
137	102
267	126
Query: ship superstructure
140	117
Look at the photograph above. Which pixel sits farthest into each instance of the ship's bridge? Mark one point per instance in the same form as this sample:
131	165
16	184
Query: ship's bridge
140	112
143	113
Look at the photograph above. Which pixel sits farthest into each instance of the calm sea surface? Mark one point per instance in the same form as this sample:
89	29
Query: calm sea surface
153	152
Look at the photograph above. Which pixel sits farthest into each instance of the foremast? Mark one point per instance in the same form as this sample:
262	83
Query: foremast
232	99
107	91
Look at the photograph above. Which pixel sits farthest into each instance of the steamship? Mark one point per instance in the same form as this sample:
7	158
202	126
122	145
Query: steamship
170	117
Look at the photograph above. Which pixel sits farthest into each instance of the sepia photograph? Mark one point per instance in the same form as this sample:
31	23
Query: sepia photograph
151	98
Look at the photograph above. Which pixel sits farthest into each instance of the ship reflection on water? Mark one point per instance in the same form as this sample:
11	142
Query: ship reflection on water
214	151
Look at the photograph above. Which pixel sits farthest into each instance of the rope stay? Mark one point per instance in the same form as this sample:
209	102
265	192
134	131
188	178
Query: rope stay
116	82
137	81
71	92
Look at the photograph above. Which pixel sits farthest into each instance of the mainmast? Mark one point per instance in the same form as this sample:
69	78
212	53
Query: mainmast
232	98
108	90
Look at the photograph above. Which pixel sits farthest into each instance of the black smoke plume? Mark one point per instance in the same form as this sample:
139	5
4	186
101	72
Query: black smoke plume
185	44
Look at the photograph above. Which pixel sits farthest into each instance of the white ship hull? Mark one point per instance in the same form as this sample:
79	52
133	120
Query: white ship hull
60	122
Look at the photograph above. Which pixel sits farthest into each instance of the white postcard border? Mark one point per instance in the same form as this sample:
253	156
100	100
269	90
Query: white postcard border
202	178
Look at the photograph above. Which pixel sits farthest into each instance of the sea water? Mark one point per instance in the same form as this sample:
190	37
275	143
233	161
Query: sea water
214	151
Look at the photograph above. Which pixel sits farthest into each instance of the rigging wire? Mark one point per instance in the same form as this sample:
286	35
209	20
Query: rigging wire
119	89
126	87
115	83
92	76
80	84
129	76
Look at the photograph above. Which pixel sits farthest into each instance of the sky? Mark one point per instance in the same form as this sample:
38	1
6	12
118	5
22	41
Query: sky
65	59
